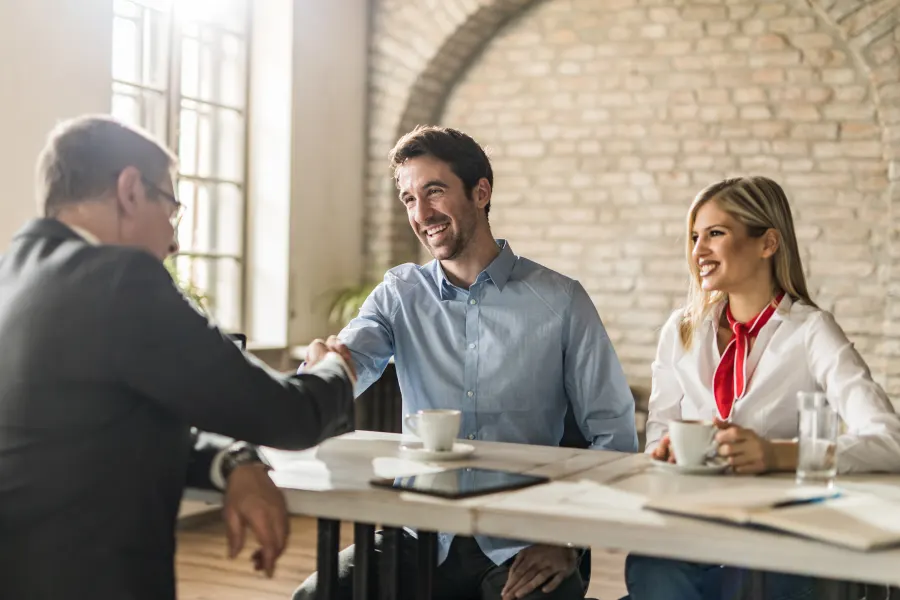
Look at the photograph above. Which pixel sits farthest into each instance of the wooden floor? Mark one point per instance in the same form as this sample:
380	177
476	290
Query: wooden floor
205	573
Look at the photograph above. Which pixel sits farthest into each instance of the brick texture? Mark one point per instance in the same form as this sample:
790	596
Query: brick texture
604	119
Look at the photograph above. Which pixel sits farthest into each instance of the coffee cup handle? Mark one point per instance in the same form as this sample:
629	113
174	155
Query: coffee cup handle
712	451
410	422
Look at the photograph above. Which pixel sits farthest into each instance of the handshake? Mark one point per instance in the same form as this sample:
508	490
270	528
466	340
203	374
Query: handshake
332	349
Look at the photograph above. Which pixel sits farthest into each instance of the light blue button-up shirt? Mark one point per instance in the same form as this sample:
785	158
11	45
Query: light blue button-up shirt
511	353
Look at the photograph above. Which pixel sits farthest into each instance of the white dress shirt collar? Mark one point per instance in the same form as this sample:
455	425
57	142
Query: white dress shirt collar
89	237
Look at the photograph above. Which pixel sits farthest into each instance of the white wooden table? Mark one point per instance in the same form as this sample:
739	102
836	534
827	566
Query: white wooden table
602	508
331	482
594	500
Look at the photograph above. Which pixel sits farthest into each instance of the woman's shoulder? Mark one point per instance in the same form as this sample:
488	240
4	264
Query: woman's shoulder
801	312
670	333
813	321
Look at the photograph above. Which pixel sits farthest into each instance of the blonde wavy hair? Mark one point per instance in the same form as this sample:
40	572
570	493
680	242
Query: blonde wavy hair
760	205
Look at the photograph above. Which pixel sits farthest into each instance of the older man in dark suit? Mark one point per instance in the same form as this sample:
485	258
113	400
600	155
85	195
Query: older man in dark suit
105	368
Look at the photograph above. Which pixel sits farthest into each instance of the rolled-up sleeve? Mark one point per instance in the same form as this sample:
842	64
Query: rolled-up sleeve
871	441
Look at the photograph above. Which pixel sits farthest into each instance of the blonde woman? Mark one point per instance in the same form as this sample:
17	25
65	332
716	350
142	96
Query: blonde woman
748	339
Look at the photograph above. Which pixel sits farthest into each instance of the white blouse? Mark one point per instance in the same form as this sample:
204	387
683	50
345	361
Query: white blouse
801	348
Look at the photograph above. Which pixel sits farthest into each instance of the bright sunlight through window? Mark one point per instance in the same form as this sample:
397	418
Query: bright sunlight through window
180	71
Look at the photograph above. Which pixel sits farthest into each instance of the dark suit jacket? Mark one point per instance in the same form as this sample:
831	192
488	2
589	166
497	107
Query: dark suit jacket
104	368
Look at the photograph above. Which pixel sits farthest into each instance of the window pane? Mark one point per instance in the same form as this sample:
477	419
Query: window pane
233	78
138	106
219	280
214	219
156	49
213	66
126	63
190	67
225	14
211	141
127	108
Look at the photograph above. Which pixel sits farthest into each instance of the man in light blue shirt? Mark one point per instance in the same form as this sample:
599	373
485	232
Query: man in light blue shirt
506	341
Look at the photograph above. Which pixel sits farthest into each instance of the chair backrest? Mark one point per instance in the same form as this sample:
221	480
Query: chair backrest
239	339
572	436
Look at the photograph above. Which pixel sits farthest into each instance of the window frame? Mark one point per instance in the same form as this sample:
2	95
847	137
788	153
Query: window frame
173	102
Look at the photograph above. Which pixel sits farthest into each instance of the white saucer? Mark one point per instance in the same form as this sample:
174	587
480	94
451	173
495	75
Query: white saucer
708	469
415	451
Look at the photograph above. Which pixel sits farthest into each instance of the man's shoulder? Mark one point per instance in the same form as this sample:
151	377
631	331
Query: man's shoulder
113	265
75	262
409	275
542	278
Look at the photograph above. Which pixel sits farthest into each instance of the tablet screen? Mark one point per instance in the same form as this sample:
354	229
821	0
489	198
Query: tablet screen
461	483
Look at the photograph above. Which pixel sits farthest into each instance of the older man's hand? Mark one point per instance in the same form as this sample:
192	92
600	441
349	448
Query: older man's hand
252	500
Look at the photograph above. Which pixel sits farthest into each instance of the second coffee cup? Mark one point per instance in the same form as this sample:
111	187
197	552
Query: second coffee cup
437	428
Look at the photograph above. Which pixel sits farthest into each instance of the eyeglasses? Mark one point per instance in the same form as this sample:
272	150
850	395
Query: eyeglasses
176	215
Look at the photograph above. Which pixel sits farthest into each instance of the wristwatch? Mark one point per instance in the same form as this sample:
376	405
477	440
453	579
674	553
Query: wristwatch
239	454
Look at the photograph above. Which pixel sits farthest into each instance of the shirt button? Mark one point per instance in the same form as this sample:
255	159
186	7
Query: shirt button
470	393
472	346
471	436
473	301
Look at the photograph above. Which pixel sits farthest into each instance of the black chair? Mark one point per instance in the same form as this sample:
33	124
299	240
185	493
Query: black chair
573	438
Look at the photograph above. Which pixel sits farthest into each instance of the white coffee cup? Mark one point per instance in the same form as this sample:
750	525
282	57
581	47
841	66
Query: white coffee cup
693	442
437	428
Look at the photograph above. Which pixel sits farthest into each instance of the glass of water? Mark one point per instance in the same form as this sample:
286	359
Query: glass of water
817	461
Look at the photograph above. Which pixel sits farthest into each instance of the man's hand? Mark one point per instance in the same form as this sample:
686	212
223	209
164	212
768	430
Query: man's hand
317	350
536	566
252	499
664	450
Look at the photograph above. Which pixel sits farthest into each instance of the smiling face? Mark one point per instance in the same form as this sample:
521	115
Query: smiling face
444	217
726	257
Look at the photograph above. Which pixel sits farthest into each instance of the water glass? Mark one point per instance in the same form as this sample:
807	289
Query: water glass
817	461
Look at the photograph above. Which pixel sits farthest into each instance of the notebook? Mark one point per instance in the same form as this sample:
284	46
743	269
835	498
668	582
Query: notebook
858	521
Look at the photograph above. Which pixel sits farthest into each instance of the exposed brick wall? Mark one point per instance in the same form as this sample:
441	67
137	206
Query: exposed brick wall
605	117
419	50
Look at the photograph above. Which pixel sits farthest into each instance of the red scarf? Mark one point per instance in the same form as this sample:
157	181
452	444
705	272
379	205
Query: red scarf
730	379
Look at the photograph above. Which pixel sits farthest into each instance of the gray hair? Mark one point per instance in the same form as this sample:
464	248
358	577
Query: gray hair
83	157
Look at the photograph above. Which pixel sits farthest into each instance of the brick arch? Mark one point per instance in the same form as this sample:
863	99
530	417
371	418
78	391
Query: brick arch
421	49
871	29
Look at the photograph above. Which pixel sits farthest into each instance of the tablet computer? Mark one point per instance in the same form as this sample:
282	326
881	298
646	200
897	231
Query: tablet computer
461	483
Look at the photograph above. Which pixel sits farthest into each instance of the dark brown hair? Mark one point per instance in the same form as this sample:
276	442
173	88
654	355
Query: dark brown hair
83	157
465	157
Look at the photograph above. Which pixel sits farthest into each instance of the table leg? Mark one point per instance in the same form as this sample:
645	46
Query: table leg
327	558
427	561
830	589
389	576
877	592
756	585
363	561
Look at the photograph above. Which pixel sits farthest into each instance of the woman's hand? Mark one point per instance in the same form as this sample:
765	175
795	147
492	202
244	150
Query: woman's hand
664	450
745	451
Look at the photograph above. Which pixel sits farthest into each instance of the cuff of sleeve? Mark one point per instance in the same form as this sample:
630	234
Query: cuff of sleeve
215	470
332	359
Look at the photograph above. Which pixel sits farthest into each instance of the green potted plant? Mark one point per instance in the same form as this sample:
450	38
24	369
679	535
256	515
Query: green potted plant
346	302
190	291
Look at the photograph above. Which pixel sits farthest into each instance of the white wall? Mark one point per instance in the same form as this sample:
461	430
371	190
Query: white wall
269	174
55	58
328	157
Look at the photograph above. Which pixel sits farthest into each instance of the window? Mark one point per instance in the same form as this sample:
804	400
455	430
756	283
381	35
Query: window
180	71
